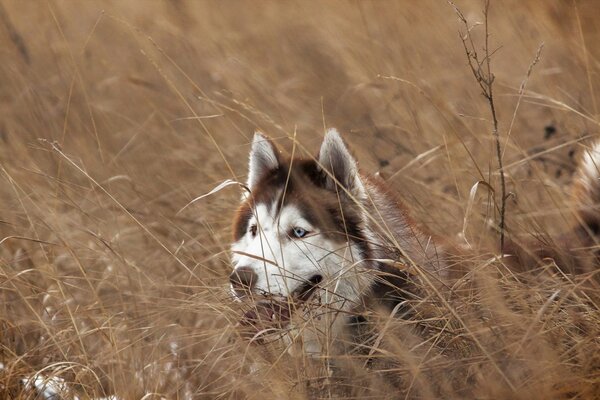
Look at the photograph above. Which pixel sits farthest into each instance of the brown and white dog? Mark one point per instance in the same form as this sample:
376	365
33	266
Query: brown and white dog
317	231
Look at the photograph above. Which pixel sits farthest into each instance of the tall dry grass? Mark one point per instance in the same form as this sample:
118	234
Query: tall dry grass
114	115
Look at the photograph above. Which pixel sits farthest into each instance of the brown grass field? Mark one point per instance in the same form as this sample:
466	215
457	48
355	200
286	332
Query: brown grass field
114	115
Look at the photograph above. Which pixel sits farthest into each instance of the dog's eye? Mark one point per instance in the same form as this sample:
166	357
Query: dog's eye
299	232
252	230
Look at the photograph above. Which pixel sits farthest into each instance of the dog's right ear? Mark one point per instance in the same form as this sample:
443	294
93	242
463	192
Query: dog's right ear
263	159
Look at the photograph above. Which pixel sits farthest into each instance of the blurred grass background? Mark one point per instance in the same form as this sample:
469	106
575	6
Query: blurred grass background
114	115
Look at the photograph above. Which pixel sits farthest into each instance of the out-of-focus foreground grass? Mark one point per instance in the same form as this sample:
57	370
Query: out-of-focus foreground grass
114	115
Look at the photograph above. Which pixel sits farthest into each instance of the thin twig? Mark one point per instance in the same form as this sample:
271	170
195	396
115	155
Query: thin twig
482	71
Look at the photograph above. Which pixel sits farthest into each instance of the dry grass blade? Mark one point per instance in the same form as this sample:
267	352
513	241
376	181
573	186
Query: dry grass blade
218	188
59	151
110	289
469	209
481	69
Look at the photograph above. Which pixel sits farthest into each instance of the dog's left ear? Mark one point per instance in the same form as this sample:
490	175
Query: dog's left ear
339	166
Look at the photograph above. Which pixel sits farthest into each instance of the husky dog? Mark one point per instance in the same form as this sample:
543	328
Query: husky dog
317	231
317	228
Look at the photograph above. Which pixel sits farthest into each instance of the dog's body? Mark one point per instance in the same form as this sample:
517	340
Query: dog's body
318	230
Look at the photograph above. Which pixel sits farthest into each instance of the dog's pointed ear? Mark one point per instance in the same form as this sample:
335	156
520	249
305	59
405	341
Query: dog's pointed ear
264	157
339	166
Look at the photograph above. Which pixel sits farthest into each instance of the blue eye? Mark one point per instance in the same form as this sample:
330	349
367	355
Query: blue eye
299	232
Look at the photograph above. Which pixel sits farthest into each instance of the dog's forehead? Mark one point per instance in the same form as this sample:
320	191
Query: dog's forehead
286	201
279	211
299	188
270	216
292	190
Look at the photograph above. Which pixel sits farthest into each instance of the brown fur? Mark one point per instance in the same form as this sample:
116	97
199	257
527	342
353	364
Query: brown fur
341	219
395	236
337	216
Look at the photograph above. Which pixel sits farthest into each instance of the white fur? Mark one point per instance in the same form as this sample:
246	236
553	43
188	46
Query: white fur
283	263
590	166
262	159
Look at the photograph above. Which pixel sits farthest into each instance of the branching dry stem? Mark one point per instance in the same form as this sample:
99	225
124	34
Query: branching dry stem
482	71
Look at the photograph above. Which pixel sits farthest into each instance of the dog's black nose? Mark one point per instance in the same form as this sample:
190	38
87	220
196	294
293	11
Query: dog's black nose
243	279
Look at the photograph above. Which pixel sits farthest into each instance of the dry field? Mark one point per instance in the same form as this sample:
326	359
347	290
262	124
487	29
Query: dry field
114	115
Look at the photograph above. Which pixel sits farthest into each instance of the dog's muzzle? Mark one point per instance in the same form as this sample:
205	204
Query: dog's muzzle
243	280
306	289
272	312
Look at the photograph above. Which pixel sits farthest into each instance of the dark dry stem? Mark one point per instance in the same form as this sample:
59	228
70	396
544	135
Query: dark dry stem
485	79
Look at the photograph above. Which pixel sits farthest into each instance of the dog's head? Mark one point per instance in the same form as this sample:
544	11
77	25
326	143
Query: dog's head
301	229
